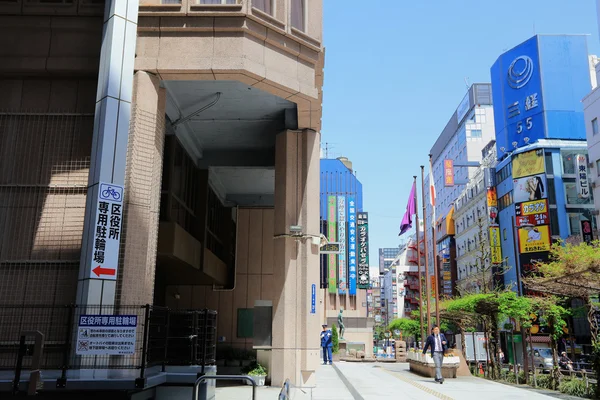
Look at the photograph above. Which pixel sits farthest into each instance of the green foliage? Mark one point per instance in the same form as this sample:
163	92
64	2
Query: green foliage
575	387
408	327
552	314
335	339
254	369
545	382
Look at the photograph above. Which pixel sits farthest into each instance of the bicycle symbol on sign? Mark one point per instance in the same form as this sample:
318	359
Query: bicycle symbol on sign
111	192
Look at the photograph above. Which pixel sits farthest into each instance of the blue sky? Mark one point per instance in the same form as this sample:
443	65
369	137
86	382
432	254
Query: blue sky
395	72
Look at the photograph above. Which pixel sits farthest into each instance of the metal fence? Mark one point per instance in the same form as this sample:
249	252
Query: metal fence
162	336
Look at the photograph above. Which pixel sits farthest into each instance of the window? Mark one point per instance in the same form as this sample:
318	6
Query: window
573	197
476	133
263	5
218	1
548	162
298	14
598	166
245	323
569	160
551	191
554	230
595	126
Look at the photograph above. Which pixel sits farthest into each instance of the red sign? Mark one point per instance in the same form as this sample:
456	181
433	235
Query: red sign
532	213
104	271
448	173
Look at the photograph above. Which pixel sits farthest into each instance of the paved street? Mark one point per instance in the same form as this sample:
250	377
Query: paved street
362	381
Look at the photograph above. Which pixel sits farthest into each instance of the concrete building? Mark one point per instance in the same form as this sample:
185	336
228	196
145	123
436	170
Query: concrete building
386	256
342	279
475	219
468	131
374	300
591	109
199	122
543	177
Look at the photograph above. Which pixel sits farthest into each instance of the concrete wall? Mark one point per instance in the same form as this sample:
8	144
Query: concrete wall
254	276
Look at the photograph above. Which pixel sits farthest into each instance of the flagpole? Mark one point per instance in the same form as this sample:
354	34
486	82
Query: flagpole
426	269
419	260
435	264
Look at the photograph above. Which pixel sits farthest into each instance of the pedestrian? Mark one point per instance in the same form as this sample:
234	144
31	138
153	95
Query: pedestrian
437	342
327	345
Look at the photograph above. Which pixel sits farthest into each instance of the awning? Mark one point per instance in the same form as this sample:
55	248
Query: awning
450	230
540	339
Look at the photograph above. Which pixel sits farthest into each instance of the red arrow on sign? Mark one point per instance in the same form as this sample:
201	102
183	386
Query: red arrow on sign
103	271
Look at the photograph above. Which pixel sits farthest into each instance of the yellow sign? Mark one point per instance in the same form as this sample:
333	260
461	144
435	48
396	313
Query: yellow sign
528	163
492	197
534	239
495	236
496	255
534	207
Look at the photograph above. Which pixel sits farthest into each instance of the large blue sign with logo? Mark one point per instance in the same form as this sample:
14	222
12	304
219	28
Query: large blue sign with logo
537	89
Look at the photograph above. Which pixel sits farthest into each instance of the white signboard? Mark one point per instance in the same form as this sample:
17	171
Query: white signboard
106	335
107	236
583	187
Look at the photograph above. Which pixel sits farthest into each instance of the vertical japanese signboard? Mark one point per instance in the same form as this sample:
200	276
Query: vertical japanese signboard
352	246
313	299
362	222
583	187
342	240
448	173
107	237
586	231
332	236
106	335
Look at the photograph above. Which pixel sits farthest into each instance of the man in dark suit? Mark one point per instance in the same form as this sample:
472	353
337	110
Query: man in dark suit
438	343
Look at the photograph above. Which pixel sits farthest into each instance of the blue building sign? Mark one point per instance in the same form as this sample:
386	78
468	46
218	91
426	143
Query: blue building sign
525	109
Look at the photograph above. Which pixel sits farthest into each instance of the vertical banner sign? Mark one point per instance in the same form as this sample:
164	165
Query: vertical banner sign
109	214
586	232
448	173
342	240
332	236
583	187
352	246
362	221
313	299
494	232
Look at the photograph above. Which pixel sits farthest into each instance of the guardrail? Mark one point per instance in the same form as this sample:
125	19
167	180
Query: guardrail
200	380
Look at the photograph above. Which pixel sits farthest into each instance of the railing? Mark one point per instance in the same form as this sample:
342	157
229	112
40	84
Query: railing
106	337
202	379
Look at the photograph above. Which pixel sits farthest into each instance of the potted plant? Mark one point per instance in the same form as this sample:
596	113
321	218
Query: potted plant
257	372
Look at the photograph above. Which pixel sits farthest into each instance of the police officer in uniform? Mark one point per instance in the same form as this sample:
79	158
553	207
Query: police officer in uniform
327	345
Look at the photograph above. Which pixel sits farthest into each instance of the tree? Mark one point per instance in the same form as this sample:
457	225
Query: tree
572	272
407	326
335	340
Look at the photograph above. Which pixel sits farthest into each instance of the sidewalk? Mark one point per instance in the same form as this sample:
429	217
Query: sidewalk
329	386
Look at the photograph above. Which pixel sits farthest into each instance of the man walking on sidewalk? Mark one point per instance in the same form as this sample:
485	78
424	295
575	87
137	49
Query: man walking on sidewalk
437	342
327	345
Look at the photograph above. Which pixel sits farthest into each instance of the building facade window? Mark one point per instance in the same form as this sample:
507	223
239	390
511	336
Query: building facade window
569	160
217	2
598	167
595	126
548	162
299	14
265	6
573	197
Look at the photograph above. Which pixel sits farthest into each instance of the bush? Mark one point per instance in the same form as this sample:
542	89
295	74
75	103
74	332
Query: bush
521	377
254	369
545	382
511	377
335	340
575	387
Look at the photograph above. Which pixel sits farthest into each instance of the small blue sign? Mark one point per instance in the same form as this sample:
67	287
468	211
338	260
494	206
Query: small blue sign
313	299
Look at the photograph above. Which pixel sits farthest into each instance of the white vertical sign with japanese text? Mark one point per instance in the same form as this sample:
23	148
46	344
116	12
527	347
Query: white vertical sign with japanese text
107	232
342	240
583	187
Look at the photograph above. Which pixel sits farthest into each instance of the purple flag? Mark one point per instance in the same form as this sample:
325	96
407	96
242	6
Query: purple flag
411	207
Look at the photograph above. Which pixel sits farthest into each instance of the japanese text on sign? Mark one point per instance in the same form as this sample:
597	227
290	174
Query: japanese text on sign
583	186
108	222
332	236
106	335
342	241
352	246
362	221
448	173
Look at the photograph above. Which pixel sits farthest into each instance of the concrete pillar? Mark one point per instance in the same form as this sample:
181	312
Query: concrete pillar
109	147
296	330
142	191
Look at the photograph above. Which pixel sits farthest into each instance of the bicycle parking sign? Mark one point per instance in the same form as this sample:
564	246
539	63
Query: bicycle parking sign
107	232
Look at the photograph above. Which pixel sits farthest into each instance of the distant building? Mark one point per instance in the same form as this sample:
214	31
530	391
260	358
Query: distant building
386	256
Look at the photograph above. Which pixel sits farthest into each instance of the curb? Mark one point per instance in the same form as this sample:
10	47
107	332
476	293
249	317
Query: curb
347	383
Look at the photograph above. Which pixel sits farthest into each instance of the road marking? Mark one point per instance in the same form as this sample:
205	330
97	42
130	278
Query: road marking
418	385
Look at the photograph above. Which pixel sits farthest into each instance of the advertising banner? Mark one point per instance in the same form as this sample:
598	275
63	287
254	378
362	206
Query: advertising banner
532	213
342	241
332	236
529	188
529	260
534	239
528	163
363	249
495	245
352	264
448	173
492	206
583	185
586	231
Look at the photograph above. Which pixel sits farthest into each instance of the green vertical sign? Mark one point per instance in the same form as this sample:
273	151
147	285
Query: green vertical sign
332	236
